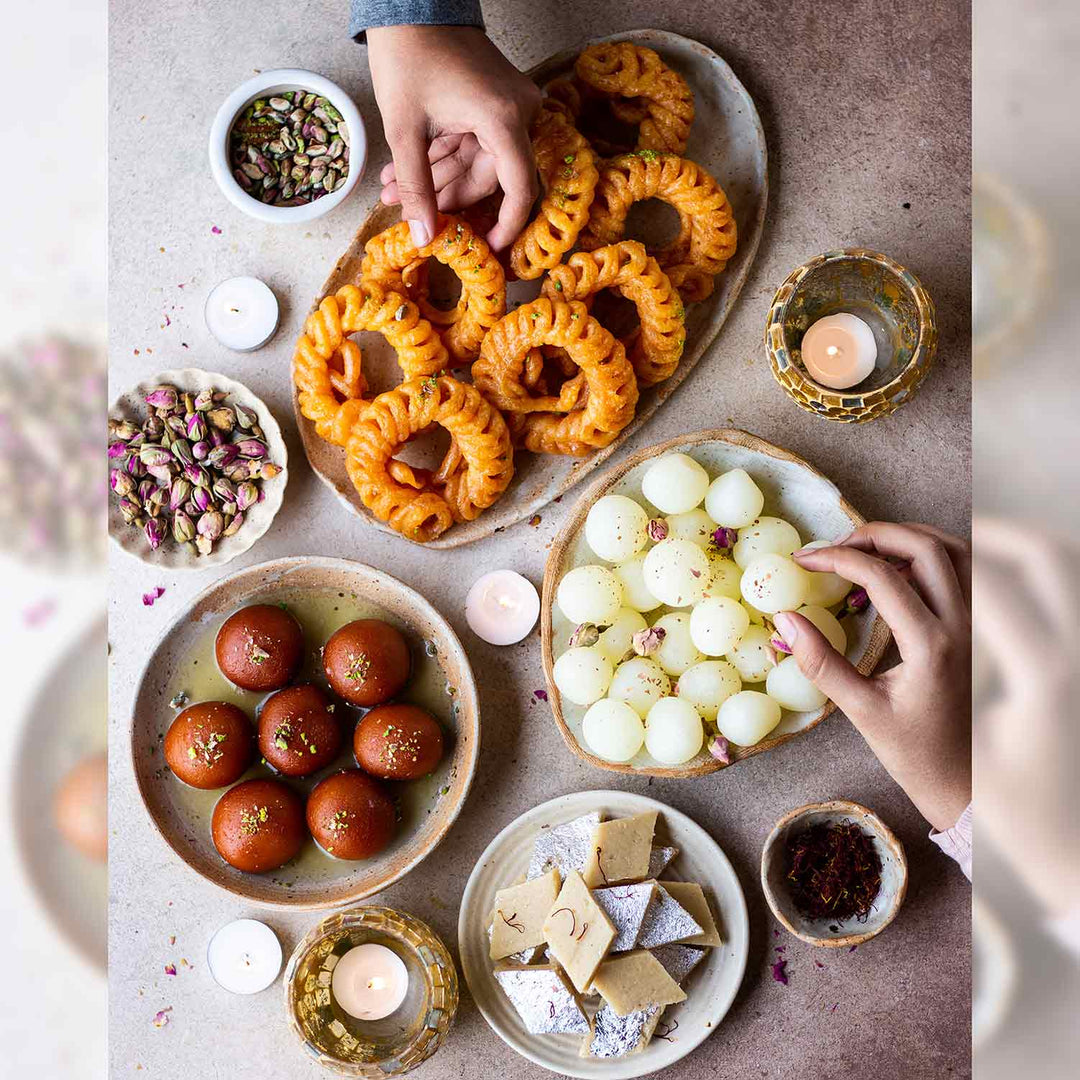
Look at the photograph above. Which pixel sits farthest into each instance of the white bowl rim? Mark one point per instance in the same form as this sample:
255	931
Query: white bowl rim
243	95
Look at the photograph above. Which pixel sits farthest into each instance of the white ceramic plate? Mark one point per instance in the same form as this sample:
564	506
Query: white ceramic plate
710	987
132	406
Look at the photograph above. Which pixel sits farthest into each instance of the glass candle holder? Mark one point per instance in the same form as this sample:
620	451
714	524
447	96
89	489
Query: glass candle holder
371	1048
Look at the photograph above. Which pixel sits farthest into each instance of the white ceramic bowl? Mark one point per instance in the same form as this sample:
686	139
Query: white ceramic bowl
131	405
266	84
834	933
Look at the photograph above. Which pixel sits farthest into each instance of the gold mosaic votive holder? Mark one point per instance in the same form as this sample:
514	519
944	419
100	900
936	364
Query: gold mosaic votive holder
888	297
371	1048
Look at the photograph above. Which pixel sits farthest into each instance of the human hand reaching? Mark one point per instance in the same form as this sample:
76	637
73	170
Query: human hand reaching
916	716
456	114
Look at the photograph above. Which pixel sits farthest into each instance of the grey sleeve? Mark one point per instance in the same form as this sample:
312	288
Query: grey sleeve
364	14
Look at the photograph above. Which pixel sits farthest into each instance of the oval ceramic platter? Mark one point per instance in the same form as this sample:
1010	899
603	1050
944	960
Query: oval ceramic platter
727	139
710	987
323	594
793	490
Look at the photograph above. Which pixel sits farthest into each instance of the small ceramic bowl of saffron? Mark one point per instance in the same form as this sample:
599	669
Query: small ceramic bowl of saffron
790	834
881	292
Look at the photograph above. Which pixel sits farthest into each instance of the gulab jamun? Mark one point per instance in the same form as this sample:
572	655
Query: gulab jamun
350	815
210	744
398	742
297	735
259	647
367	661
258	825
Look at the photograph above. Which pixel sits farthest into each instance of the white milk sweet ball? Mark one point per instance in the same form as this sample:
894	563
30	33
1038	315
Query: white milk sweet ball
582	675
726	576
616	640
747	717
631	575
707	686
677	571
616	528
641	682
765	536
828	624
677	651
754	657
695	526
773	583
733	499
675	483
590	594
717	624
673	731
791	689
612	730
825	588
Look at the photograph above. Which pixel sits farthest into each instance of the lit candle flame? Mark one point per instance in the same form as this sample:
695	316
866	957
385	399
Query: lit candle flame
377	983
831	350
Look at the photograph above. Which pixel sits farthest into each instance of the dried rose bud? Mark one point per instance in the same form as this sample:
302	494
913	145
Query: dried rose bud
223	418
156	502
181	450
646	642
200	450
197	475
245	417
123	429
269	470
145	489
204	400
204	545
179	493
164	397
151	454
211	524
247	494
856	601
163	474
202	499
720	749
216	436
135	467
155	532
228	508
224	489
117	450
154	427
176	425
779	644
724	539
657	529
239	472
234	525
121	482
183	528
136	441
195	427
251	448
585	635
221	457
129	509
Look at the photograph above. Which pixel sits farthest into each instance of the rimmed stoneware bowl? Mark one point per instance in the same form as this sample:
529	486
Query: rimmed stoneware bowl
728	140
182	815
793	489
881	292
131	405
834	933
711	987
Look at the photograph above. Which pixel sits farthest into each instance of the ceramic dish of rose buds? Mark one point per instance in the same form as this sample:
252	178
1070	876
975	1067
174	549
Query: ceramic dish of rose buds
204	493
644	679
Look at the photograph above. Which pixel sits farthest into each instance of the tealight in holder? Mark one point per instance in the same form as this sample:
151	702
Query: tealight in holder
888	298
380	1048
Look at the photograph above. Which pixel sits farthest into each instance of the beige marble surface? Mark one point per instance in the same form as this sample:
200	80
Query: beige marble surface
866	113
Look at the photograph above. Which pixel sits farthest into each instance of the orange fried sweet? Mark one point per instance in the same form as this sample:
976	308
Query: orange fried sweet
707	232
567	167
418	503
327	365
656	346
394	260
650	94
563	425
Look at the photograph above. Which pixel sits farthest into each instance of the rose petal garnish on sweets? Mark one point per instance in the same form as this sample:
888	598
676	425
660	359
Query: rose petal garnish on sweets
586	634
646	642
657	529
720	749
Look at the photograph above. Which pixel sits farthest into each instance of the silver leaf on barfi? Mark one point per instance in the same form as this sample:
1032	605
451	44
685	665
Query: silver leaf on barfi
678	960
659	860
615	1036
625	906
565	847
543	1001
666	920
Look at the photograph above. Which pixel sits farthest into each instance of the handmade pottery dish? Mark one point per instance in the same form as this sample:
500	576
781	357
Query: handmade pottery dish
323	595
885	295
727	139
381	1048
264	86
833	933
131	406
711	986
793	490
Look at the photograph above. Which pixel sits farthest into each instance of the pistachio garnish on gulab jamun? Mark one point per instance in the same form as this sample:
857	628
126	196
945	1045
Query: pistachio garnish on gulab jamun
367	662
258	825
351	815
210	745
398	742
259	647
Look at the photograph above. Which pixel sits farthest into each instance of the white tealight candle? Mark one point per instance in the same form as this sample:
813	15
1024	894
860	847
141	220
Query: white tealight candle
244	957
370	982
839	351
242	313
502	607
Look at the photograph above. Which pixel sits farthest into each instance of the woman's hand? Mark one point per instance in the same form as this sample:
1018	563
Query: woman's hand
915	716
456	114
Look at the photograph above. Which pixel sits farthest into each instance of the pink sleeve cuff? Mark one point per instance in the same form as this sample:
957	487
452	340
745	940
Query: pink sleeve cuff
956	842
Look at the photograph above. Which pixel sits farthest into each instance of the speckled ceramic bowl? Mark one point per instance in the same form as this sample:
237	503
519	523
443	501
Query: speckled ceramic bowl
885	295
834	933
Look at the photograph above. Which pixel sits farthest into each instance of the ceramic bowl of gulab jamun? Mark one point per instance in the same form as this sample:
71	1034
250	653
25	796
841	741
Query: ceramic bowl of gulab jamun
306	732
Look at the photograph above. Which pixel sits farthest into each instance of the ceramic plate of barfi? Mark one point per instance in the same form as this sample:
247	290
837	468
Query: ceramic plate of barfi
603	934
